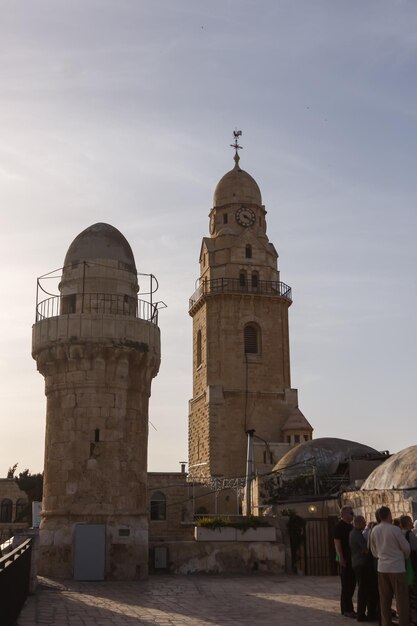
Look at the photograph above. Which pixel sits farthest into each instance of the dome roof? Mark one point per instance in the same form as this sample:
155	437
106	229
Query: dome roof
326	452
100	241
237	186
397	472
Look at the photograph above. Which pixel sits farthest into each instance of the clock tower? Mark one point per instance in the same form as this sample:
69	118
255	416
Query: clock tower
241	356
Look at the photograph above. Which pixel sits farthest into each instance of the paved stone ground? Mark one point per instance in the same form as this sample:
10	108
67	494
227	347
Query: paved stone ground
187	601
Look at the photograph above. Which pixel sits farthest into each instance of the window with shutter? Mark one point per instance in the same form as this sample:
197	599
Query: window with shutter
251	335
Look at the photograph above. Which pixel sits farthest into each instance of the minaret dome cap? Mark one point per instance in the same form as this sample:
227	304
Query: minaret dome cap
100	241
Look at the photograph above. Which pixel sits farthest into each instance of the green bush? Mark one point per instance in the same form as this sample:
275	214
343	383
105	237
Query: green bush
244	523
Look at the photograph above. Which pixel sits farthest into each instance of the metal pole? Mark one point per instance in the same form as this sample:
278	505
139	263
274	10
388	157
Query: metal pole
249	472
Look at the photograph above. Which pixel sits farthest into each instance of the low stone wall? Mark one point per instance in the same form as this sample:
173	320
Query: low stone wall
223	557
365	503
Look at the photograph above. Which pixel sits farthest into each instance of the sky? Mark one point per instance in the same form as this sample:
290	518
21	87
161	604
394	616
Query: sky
122	111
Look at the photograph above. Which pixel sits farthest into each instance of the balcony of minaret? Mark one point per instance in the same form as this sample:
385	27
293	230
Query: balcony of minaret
96	310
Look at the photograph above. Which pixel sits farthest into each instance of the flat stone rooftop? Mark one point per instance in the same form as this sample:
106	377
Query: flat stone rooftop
200	600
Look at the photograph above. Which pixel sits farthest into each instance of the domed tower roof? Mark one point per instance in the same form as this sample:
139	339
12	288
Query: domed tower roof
326	452
397	472
237	186
100	241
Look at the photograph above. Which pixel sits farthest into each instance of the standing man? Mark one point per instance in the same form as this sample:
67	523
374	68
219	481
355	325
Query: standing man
362	564
391	548
342	531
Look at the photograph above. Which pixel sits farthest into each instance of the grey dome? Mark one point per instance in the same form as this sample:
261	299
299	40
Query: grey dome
100	241
397	472
327	453
237	186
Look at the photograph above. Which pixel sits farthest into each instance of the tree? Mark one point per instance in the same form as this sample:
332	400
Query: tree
11	471
31	484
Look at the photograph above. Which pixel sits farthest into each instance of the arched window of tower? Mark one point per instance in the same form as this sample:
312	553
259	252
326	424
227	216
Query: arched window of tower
248	251
252	339
242	279
199	357
255	280
158	506
6	510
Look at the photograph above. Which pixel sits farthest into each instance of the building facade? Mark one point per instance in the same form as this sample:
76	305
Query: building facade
241	354
14	513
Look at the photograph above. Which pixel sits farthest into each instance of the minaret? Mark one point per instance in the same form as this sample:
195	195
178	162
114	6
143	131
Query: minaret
241	356
98	348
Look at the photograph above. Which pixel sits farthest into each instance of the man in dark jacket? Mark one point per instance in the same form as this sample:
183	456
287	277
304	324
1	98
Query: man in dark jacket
362	566
347	576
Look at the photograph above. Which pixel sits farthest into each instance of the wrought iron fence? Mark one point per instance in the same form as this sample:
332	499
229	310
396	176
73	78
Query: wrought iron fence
14	582
84	302
115	304
241	285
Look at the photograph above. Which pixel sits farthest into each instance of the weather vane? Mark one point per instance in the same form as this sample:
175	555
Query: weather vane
236	134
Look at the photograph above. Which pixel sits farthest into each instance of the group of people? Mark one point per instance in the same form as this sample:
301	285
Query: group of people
380	558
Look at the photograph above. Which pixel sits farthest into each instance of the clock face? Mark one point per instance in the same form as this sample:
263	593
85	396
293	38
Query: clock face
245	217
212	225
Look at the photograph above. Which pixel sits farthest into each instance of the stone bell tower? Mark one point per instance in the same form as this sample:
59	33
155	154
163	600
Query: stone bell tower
241	356
98	348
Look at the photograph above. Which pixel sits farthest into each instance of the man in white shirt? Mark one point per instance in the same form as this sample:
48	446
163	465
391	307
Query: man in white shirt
391	548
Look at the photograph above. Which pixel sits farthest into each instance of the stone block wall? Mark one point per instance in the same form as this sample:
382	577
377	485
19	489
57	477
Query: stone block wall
178	523
365	503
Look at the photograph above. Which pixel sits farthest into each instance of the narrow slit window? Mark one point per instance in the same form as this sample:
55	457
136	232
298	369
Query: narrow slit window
225	218
97	435
199	357
248	251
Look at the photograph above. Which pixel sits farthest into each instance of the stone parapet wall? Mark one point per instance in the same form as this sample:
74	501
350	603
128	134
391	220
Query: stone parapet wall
96	328
192	557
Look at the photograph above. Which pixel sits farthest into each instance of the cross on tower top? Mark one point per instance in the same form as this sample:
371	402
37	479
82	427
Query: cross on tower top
236	134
